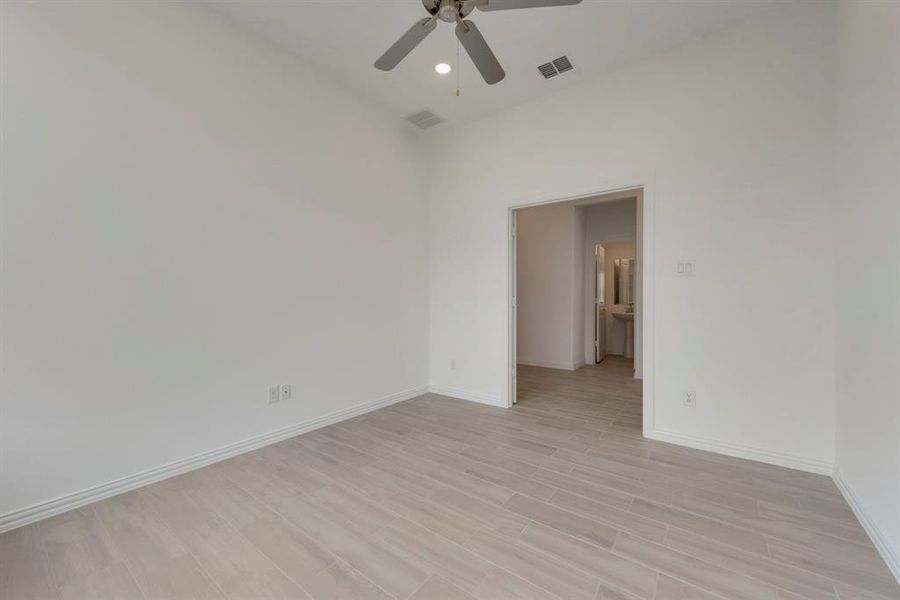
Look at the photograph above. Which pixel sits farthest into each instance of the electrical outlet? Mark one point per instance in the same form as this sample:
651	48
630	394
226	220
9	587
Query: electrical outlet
690	399
274	394
452	364
286	391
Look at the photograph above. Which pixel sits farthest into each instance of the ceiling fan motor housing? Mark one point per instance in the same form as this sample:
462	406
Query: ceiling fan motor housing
449	11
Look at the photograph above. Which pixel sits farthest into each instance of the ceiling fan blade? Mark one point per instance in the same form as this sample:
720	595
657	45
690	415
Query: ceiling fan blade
511	4
479	52
406	43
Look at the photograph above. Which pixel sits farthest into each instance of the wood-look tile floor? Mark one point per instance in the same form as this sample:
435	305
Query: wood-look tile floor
436	498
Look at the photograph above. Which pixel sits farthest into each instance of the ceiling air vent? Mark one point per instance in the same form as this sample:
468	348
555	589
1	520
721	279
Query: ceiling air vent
562	64
555	67
425	119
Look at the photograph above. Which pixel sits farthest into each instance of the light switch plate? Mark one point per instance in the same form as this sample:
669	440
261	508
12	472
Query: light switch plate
686	268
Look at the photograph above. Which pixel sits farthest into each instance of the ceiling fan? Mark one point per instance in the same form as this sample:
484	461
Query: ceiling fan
455	11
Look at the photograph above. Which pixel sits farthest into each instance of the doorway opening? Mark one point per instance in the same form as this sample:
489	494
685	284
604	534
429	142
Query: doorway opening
578	304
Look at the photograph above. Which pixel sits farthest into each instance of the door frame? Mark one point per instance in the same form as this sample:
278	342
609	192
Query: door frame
599	327
646	212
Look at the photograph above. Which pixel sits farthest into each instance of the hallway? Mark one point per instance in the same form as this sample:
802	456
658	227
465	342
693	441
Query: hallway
606	392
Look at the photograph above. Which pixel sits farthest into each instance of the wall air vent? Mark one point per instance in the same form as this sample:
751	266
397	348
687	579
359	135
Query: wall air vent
424	119
555	67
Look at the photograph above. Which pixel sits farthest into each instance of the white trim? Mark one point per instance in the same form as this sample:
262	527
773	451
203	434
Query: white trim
512	307
646	184
44	510
879	539
780	459
647	307
469	396
550	365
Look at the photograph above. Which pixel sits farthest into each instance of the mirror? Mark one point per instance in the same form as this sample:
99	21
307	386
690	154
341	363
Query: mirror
624	281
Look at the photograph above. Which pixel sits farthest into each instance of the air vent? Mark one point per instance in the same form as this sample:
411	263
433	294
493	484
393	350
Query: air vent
555	67
562	64
425	119
548	70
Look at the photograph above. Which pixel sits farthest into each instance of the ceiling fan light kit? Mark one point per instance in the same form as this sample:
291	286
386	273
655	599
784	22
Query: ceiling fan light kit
456	11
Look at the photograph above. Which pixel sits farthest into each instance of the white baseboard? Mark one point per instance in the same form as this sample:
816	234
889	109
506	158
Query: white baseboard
44	510
549	365
773	458
468	395
880	540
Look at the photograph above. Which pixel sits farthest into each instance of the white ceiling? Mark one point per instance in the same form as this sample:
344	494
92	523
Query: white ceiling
344	37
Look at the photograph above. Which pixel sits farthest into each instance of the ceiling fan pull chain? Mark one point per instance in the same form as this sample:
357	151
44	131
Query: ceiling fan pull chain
457	67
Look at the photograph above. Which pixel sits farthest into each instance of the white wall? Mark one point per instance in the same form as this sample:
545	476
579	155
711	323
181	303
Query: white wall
612	221
868	267
184	222
734	134
547	295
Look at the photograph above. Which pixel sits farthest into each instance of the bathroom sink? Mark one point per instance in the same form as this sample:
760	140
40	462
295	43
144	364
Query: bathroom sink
627	319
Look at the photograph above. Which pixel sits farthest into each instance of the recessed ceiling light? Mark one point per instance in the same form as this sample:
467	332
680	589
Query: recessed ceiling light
442	68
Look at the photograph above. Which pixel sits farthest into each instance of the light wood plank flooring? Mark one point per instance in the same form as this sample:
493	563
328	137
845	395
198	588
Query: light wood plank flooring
436	498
